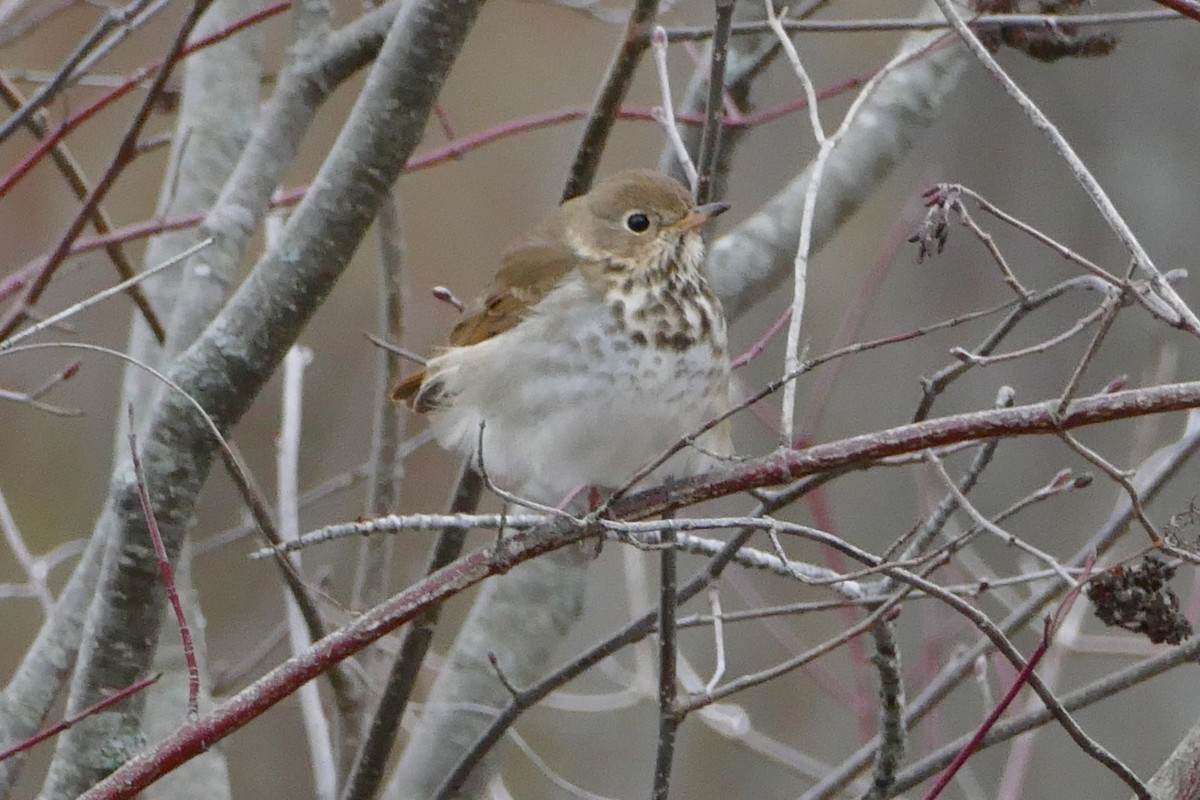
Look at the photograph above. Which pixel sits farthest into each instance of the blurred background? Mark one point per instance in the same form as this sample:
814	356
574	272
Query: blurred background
1133	116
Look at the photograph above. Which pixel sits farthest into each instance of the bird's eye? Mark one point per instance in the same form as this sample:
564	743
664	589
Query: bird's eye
637	222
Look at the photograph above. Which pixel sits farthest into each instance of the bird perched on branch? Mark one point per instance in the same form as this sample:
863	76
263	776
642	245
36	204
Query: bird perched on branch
598	346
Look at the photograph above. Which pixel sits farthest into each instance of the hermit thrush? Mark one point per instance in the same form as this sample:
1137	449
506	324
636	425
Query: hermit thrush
599	346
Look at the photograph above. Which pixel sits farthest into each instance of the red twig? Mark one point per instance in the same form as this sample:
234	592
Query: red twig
123	88
443	119
1189	8
63	375
1050	626
459	147
94	708
74	121
164	564
756	349
1018	684
780	467
198	735
785	466
126	151
449	152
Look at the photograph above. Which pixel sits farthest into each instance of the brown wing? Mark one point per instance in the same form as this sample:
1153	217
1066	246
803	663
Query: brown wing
530	270
405	388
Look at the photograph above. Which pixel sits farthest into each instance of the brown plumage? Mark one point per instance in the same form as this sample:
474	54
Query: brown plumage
530	268
598	319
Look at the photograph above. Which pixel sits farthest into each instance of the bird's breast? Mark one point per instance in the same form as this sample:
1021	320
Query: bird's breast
591	385
677	315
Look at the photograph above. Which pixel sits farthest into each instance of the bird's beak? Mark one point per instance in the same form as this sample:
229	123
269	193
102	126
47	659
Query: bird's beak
700	215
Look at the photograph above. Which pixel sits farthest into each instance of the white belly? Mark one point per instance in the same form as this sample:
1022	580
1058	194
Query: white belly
567	400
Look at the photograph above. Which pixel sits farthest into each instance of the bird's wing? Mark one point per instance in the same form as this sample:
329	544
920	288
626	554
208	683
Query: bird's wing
405	388
529	271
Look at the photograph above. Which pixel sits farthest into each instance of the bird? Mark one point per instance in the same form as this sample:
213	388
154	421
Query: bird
599	345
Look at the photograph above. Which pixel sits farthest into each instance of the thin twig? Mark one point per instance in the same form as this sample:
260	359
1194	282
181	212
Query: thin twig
718	625
828	143
340	482
710	137
115	18
1035	233
1104	311
360	761
381	730
612	93
669	717
989	242
1081	698
974	589
1123	480
72	171
698	701
168	577
94	708
28	398
933	386
125	153
1169	307
935	522
664	114
986	524
982	22
1110	307
633	631
892	733
1155	476
98	297
35	571
316	725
